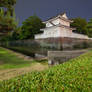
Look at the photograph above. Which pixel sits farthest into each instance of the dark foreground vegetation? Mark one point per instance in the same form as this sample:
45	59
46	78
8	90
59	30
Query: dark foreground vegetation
72	76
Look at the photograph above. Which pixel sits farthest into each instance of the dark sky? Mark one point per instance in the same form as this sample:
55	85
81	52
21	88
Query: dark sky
48	8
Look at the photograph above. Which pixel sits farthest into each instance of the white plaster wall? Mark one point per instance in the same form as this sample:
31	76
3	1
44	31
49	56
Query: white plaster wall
68	33
56	22
75	35
59	32
65	32
52	32
64	22
48	24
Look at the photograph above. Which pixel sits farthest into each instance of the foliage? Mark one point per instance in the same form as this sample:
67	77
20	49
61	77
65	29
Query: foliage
89	27
7	3
72	76
80	24
31	26
7	16
5	38
7	22
15	34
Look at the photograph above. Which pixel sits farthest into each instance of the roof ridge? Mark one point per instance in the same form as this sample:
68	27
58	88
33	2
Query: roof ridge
61	14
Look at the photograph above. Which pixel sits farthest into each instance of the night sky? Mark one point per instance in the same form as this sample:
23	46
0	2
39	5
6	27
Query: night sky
48	8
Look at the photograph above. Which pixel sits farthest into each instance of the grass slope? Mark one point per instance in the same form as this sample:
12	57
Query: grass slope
72	76
9	60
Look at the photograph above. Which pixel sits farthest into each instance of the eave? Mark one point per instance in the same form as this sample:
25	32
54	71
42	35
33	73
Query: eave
59	25
58	17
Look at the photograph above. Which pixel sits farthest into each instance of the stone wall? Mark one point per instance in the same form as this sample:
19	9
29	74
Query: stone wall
59	57
66	43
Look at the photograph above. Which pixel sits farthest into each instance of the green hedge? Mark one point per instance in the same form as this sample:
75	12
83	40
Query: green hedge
72	76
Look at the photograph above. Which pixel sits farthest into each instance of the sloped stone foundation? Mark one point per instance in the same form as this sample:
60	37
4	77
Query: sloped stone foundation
66	43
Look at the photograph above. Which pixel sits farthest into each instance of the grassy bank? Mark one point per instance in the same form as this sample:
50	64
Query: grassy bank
9	59
72	76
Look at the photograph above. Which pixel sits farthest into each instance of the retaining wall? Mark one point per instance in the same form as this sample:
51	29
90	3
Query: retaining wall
59	57
66	43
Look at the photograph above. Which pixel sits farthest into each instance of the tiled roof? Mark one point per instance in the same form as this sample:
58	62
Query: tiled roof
55	16
59	25
61	14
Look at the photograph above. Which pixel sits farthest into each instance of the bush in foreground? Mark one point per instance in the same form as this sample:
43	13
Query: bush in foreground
72	76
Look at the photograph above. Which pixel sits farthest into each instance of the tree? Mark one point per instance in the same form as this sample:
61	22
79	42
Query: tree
15	34
30	27
7	3
7	16
89	27
81	25
7	23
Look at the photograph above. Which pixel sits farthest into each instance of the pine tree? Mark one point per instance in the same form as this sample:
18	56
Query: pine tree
7	16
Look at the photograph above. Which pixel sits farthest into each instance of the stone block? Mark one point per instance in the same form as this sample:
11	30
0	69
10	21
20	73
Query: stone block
59	57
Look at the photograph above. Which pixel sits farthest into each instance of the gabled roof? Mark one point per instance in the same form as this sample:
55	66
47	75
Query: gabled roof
58	16
61	14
